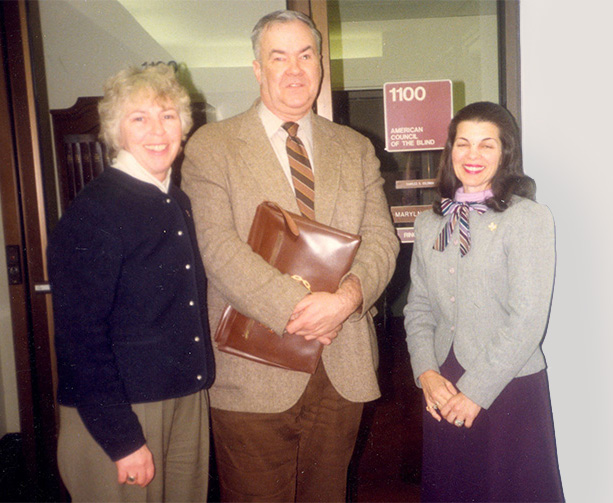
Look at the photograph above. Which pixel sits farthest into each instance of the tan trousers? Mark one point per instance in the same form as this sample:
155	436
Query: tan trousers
177	433
301	454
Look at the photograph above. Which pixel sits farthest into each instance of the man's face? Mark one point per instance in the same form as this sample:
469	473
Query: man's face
289	72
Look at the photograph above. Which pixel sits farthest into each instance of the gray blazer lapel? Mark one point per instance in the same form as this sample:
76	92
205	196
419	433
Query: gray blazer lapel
328	153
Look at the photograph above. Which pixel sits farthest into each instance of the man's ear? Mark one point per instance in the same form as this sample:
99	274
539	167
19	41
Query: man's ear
257	69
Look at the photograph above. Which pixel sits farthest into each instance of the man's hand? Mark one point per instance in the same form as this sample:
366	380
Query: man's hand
136	468
321	315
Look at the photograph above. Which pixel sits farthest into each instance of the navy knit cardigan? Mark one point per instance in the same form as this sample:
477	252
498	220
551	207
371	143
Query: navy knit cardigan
129	301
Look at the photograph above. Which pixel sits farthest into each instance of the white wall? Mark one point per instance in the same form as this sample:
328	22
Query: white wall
566	116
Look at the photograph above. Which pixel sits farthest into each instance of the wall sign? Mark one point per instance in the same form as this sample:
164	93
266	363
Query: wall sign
417	115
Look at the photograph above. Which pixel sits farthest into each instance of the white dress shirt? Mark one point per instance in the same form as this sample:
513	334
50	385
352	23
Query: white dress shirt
278	136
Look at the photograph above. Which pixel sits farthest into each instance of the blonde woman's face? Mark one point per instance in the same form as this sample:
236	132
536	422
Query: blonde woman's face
150	129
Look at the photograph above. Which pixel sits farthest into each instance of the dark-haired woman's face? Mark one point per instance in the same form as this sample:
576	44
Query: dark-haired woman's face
476	154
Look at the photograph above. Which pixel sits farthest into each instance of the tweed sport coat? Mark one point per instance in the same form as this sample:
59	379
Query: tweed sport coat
230	167
492	305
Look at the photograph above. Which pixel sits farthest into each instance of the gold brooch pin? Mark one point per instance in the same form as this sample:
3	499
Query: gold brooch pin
492	227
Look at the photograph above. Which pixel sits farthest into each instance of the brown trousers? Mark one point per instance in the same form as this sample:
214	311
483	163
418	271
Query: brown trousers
301	454
177	433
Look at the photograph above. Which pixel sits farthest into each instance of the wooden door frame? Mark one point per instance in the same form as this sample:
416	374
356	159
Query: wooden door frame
13	236
24	218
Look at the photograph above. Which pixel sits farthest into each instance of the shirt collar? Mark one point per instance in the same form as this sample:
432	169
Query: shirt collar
272	123
127	163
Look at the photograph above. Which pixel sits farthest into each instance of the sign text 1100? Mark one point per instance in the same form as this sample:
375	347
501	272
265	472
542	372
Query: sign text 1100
408	93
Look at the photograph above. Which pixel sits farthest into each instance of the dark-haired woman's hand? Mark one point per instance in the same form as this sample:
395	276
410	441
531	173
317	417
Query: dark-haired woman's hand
437	391
460	411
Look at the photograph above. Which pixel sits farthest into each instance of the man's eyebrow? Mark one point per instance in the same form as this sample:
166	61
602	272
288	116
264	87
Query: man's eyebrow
282	51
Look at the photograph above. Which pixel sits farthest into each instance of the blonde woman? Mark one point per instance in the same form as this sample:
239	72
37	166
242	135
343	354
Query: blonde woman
132	339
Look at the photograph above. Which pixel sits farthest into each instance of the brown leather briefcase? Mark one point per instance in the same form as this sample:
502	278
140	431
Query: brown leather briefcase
316	255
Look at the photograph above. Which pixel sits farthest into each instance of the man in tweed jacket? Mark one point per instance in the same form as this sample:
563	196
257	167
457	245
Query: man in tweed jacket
282	435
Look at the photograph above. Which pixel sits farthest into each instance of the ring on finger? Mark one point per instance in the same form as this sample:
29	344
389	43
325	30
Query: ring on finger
459	423
131	478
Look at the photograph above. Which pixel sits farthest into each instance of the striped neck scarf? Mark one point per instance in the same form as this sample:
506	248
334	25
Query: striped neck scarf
459	213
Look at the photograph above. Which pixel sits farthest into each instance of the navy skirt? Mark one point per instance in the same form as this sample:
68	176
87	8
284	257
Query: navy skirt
508	455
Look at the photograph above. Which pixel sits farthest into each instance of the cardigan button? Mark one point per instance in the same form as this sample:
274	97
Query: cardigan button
452	298
192	303
451	270
180	233
199	377
188	266
168	200
197	339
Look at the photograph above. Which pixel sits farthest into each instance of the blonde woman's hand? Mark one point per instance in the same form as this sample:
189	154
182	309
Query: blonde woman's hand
437	391
136	468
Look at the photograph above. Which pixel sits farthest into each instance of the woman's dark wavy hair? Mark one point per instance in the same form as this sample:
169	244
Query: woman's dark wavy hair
509	179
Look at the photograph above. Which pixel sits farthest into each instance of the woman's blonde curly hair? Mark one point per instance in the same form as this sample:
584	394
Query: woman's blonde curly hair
157	80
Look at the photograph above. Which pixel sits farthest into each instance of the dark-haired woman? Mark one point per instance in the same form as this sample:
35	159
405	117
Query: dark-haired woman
481	285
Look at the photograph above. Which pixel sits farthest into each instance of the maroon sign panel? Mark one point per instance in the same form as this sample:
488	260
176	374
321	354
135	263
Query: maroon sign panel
417	115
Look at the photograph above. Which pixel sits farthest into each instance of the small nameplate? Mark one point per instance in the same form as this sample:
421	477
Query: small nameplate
407	214
406	234
426	183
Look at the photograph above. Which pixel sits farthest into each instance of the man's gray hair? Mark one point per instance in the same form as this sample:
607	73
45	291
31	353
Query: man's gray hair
281	16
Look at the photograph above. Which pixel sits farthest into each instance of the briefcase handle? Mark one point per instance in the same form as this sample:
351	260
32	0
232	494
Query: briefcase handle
289	220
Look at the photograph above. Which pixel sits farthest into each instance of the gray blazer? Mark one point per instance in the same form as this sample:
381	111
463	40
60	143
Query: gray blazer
492	305
230	167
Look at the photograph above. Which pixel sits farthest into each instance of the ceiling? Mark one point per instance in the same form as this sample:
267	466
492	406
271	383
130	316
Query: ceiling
180	25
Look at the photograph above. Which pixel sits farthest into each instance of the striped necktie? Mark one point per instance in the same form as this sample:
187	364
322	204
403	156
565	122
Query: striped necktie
302	173
459	213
